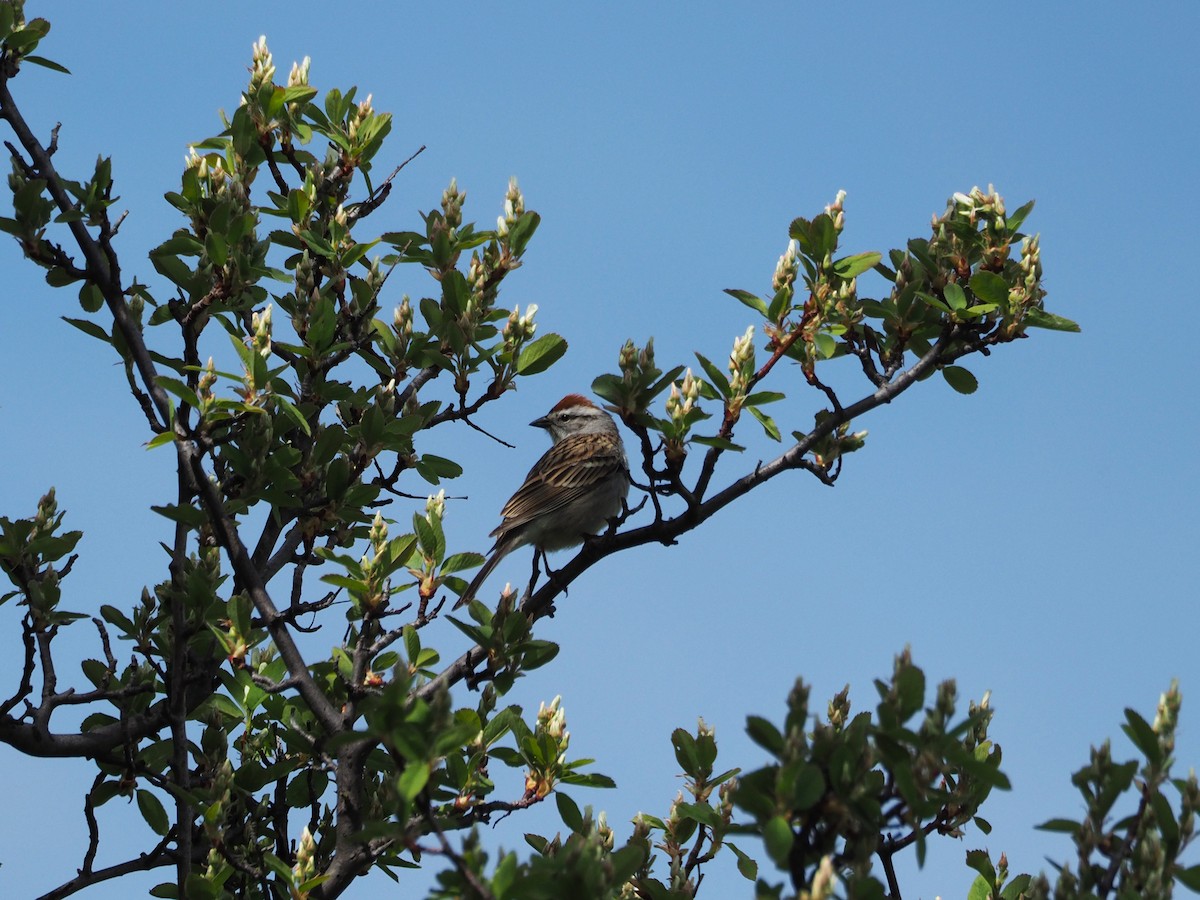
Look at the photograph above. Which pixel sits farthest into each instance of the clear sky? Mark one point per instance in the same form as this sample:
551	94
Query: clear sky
1036	539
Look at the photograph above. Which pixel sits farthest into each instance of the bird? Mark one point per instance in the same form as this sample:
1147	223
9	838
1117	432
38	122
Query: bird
572	492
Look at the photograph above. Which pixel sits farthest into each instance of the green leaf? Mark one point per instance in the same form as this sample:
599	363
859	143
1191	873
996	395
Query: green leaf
289	409
90	297
541	354
956	298
760	397
413	780
589	779
1064	826
808	788
981	889
160	440
767	423
569	811
719	442
981	862
89	328
1016	219
755	303
179	389
777	835
989	287
700	812
1039	318
825	344
852	266
715	376
1015	889
1143	736
1189	878
746	866
960	379
186	515
933	301
152	811
764	733
685	751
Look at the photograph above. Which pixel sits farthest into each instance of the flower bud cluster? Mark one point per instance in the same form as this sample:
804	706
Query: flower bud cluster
452	204
514	208
210	172
978	204
552	720
741	363
363	113
377	536
785	269
298	77
835	211
646	356
435	506
260	325
262	67
206	382
519	328
683	397
44	520
1026	291
306	866
824	881
1166	718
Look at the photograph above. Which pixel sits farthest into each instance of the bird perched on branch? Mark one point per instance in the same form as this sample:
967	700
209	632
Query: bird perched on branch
571	492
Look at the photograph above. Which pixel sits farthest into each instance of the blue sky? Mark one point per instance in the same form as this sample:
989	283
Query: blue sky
1036	539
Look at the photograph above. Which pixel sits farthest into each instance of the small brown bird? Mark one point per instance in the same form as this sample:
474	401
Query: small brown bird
571	492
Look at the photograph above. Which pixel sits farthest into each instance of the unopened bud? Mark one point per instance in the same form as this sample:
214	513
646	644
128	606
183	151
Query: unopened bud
298	77
435	506
260	323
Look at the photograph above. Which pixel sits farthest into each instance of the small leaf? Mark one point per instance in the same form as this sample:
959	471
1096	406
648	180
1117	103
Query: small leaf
179	389
777	835
981	862
413	780
152	811
159	440
700	812
746	866
981	889
764	733
956	298
1189	878
1039	318
719	442
852	266
960	379
90	297
989	287
1143	736
755	303
89	328
767	423
541	354
569	811
715	375
1016	888
46	63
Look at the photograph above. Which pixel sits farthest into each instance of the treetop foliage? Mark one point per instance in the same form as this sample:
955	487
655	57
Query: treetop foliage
296	393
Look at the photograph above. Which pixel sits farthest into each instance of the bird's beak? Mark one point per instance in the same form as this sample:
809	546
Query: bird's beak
540	422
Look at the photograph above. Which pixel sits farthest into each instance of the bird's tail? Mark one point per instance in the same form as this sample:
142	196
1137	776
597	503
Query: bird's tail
498	553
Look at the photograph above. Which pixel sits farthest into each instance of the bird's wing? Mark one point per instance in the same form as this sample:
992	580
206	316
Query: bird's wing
558	478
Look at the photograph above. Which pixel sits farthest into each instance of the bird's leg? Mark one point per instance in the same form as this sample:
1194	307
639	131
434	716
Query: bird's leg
551	574
533	576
